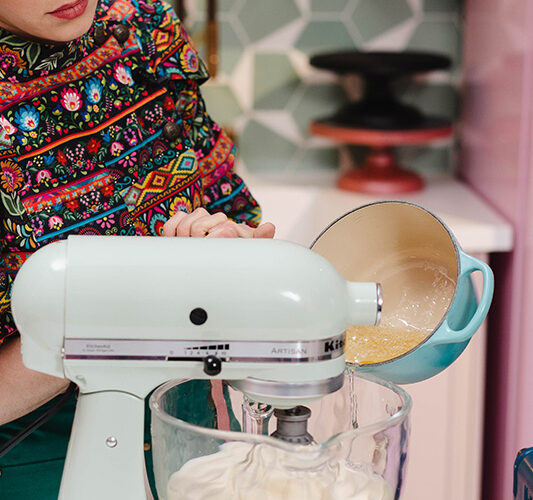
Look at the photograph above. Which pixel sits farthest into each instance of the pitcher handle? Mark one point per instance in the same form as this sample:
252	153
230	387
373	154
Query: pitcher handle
470	264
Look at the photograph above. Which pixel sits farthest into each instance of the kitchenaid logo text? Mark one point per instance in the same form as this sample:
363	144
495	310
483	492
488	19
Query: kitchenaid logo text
333	345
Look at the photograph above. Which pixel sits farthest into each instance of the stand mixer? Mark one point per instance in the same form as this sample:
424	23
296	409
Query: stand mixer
121	316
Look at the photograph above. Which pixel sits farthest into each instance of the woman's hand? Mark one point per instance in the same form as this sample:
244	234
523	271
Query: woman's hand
201	223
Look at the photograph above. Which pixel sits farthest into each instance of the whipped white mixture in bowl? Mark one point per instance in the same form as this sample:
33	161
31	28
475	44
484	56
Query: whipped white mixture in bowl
245	471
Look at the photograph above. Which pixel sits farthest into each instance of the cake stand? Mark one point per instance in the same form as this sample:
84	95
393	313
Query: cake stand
379	120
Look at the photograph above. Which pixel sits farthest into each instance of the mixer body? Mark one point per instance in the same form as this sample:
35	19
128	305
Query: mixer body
121	316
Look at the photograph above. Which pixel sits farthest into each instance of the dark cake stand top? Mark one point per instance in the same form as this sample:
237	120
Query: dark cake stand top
378	108
380	64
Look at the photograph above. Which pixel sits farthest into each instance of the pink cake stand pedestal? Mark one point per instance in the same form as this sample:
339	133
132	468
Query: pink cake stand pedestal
380	173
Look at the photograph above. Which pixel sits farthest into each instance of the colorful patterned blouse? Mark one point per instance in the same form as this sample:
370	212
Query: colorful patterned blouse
107	135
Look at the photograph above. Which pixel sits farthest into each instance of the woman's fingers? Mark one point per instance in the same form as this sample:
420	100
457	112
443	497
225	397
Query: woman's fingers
200	227
265	230
201	223
195	224
169	227
183	229
230	229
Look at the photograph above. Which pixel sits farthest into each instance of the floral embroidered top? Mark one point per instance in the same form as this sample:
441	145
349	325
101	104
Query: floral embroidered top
107	135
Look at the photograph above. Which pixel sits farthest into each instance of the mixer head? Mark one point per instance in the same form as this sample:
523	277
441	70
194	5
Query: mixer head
266	315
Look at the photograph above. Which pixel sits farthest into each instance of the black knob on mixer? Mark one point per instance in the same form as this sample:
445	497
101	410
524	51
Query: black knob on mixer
212	365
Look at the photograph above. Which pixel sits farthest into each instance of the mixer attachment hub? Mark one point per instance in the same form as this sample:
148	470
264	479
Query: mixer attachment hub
292	425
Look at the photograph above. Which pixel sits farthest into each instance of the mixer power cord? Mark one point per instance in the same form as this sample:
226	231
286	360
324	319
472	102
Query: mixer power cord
24	433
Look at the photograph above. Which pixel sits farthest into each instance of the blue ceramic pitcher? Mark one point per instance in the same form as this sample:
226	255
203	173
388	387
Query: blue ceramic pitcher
405	247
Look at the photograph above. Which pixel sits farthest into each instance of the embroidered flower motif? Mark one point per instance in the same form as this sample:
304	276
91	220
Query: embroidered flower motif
73	205
55	222
7	126
130	137
37	226
49	159
140	228
189	59
93	146
61	158
108	189
43	175
90	200
26	183
27	118
168	103
153	115
106	222
4	138
225	187
10	59
156	224
12	176
129	160
93	90
13	261
116	148
71	99
180	203
76	155
123	74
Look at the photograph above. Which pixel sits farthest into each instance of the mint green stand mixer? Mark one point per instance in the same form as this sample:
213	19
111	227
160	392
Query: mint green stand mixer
104	313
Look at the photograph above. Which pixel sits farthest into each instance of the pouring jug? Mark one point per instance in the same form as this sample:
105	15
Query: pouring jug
425	278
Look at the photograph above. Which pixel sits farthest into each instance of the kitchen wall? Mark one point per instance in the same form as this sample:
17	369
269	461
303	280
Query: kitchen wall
497	159
267	93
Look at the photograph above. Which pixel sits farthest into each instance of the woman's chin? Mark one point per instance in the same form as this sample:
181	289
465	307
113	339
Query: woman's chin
64	34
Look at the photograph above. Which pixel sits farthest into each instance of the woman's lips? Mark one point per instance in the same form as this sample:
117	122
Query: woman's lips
70	10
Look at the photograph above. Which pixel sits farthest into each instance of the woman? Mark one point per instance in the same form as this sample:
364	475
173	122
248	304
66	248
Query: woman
103	132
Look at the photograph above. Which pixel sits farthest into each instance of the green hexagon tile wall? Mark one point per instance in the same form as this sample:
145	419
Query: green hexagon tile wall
267	93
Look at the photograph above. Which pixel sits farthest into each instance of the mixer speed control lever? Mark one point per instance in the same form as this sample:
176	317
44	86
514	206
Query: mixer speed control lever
212	365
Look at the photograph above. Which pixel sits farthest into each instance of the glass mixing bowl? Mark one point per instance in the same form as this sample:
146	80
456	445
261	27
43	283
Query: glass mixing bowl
362	428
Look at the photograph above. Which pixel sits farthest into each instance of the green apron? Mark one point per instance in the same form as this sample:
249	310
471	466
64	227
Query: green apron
32	469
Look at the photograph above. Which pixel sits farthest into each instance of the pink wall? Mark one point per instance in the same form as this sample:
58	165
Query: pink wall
497	135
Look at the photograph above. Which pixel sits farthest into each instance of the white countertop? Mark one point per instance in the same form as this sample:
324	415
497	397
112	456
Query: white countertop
302	209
